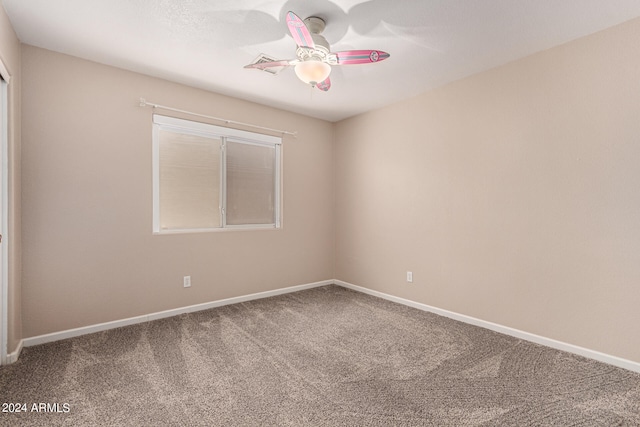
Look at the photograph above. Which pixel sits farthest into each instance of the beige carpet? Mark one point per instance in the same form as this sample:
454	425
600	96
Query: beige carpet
322	357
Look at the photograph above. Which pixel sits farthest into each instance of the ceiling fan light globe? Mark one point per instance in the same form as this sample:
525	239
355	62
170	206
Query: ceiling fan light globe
312	71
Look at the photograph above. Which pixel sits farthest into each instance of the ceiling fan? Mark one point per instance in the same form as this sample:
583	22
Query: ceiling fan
314	58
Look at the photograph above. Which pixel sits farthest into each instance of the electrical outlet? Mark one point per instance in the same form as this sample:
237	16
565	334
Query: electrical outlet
186	281
409	276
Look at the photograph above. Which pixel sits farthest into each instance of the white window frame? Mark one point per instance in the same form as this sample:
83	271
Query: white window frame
223	134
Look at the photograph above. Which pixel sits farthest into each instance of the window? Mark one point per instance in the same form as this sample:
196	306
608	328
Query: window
208	177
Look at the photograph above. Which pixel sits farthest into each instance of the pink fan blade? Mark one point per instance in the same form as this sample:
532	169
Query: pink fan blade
348	57
299	31
263	65
325	85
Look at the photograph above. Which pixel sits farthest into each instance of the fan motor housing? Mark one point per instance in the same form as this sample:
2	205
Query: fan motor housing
315	25
321	51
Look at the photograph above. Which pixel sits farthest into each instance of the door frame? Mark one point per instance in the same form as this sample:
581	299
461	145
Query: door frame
4	196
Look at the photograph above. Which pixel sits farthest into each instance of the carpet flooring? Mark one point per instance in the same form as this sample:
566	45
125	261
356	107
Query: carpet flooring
326	356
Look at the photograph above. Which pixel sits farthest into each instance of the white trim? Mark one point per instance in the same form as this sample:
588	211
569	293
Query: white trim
228	228
222	207
209	130
13	356
278	187
4	189
70	333
558	345
4	73
155	159
144	103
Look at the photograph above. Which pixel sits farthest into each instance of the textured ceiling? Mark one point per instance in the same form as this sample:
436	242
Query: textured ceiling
206	43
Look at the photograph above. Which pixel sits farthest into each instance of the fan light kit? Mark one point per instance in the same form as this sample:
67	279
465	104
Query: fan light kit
312	71
314	58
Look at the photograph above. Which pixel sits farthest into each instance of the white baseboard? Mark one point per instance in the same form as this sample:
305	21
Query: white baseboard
13	356
558	345
70	333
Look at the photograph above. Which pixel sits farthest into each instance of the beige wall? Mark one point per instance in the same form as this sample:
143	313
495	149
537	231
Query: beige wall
89	253
10	54
513	195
